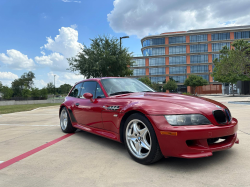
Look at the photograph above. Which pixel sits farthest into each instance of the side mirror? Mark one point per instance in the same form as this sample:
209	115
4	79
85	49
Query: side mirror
88	96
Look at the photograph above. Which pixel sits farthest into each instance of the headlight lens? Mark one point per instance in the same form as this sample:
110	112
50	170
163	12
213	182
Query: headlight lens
190	119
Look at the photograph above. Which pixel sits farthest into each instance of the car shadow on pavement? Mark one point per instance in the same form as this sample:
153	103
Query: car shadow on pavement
171	163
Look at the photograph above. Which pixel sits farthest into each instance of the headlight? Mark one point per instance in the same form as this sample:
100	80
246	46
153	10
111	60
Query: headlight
190	119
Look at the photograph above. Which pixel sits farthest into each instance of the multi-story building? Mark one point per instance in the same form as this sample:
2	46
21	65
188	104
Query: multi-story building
176	55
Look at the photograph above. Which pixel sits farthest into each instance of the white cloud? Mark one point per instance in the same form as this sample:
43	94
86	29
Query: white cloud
16	60
64	78
70	76
74	26
55	61
144	17
40	83
65	45
8	76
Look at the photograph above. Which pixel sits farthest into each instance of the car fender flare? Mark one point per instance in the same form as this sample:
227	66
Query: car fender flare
71	116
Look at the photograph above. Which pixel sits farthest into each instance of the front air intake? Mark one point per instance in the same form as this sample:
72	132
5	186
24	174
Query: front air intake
220	116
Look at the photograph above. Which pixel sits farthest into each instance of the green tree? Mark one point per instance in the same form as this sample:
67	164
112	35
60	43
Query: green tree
152	85
7	92
50	87
64	88
145	80
26	93
44	93
26	81
35	92
234	65
104	58
170	85
194	81
1	86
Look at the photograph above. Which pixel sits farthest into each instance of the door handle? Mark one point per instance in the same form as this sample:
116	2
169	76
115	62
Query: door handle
77	104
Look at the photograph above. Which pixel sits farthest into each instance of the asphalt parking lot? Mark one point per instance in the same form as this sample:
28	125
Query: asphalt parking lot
38	153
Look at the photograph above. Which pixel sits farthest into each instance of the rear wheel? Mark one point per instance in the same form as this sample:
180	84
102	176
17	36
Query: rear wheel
65	122
140	140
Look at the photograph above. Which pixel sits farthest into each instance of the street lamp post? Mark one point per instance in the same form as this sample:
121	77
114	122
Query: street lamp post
121	40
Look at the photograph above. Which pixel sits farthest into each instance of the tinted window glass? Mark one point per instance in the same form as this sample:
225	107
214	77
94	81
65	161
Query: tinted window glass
76	90
88	87
114	85
99	92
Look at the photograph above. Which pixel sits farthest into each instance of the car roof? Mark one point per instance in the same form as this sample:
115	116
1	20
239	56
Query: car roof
98	79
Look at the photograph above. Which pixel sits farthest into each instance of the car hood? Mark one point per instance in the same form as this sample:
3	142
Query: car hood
168	103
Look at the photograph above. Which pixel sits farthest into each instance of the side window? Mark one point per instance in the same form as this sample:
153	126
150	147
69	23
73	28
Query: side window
88	87
76	90
99	92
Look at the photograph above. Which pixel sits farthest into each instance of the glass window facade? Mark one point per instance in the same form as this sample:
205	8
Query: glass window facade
218	46
221	36
198	38
156	61
138	62
199	48
178	39
178	79
177	70
154	41
194	59
154	51
158	79
177	49
199	69
139	72
157	71
214	56
239	35
177	60
205	77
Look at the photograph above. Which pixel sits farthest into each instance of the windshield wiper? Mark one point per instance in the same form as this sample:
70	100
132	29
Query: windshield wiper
124	92
146	91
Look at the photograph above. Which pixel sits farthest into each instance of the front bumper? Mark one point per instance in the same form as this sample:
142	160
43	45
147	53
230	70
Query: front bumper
192	141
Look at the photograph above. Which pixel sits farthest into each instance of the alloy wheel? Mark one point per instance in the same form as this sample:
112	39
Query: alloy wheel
138	138
64	119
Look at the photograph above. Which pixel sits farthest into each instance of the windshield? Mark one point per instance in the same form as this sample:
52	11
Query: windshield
115	86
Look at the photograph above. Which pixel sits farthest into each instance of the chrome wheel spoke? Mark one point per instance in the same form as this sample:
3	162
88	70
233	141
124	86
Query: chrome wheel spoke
138	148
131	137
143	132
138	138
64	119
135	128
145	144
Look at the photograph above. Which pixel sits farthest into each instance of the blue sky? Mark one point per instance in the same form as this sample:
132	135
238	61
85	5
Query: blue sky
39	35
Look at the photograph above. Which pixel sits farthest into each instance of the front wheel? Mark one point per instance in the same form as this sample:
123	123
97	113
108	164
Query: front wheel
65	122
140	140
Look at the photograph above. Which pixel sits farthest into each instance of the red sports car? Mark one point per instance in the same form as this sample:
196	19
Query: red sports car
149	123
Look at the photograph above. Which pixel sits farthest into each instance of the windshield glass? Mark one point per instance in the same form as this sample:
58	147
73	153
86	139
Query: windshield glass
115	86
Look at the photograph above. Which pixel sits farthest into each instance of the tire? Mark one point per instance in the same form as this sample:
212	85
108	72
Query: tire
65	122
140	140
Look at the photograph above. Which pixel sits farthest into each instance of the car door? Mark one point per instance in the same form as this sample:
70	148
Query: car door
87	112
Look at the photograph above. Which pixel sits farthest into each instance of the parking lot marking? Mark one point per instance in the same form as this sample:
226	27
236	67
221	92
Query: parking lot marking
31	152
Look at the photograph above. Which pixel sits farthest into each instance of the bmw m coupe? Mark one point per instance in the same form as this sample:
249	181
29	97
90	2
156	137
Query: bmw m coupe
151	124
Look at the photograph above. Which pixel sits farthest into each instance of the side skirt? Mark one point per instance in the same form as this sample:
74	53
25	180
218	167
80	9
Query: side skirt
100	132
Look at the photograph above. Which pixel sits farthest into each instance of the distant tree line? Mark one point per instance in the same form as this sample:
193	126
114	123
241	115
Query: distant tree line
24	88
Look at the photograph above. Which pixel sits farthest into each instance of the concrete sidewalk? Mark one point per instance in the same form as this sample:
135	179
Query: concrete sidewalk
227	98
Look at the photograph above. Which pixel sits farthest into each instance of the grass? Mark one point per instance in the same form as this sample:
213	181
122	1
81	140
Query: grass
19	108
